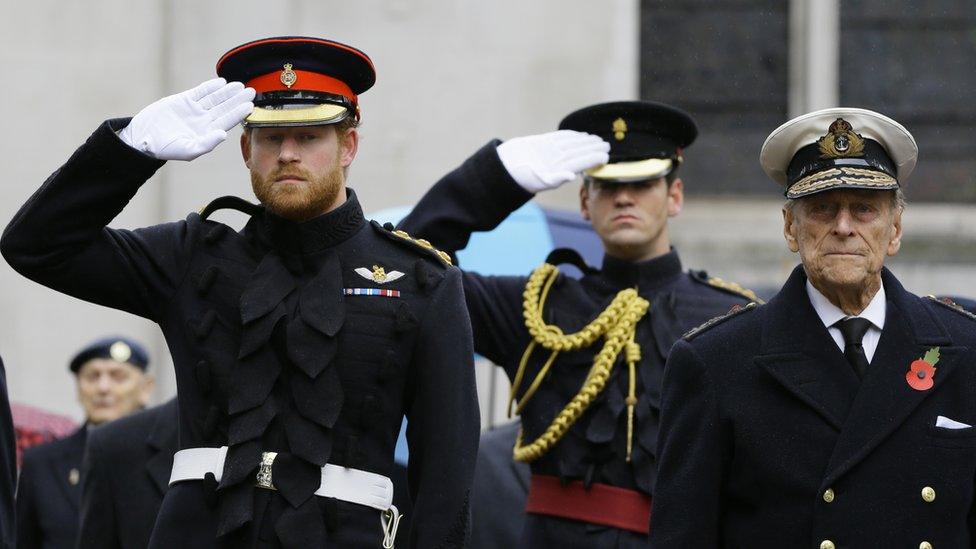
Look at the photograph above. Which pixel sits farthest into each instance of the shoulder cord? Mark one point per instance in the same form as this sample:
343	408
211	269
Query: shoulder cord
616	324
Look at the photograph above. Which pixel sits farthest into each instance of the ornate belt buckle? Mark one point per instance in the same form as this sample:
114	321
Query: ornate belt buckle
264	471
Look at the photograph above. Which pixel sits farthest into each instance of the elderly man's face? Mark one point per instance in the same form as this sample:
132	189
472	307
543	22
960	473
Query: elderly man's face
109	389
844	235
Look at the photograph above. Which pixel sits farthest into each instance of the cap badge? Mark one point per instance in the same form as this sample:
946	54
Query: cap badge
619	129
378	274
841	141
74	476
288	76
120	352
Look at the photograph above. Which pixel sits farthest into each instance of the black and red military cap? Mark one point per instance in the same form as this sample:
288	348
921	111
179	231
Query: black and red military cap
300	81
646	139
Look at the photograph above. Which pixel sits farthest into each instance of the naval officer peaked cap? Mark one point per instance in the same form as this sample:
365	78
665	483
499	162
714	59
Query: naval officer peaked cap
646	138
300	81
839	148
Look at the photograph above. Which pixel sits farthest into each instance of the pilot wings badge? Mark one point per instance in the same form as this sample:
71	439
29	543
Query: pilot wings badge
378	274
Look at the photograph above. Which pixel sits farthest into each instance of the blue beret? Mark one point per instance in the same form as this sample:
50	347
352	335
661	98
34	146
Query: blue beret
120	349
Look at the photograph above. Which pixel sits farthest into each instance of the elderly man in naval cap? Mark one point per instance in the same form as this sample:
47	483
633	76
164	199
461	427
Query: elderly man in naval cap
841	413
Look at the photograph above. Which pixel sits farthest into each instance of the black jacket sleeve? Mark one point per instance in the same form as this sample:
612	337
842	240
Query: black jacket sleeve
28	522
8	466
477	196
98	528
444	422
59	237
687	506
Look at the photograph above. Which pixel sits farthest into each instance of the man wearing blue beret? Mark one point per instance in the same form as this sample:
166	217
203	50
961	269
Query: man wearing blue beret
112	382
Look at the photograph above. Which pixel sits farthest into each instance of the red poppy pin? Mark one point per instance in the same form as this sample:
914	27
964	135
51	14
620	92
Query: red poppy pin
921	373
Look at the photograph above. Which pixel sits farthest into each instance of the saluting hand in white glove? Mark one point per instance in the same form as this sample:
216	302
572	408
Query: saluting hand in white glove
189	124
546	161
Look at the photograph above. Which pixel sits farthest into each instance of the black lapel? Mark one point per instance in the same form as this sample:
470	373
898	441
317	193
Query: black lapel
798	352
68	468
162	441
885	399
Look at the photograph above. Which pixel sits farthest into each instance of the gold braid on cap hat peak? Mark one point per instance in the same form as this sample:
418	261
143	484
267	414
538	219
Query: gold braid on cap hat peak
616	324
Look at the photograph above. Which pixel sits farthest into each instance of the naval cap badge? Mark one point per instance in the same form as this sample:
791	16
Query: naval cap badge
288	76
841	141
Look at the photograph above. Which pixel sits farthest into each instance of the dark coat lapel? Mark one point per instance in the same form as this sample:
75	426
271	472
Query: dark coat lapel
798	352
71	459
162	441
885	399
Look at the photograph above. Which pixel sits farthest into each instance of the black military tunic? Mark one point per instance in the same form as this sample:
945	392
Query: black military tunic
271	355
478	196
769	439
124	476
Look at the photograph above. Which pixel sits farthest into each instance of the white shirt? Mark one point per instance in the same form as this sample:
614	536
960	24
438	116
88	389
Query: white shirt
830	314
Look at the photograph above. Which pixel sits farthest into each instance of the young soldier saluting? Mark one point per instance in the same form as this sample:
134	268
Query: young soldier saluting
585	357
299	342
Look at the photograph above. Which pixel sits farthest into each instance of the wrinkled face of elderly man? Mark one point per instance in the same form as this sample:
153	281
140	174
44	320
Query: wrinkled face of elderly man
843	237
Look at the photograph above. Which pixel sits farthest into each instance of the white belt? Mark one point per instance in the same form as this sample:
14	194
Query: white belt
343	483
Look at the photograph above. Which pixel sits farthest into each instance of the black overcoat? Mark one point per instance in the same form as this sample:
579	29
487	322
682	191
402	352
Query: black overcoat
124	476
769	439
49	492
498	494
271	354
478	196
8	466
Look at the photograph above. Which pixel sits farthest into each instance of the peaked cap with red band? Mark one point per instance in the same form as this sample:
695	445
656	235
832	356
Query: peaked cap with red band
300	81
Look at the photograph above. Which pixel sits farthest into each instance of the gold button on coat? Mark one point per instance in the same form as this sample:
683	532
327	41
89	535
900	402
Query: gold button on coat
925	545
928	494
826	544
828	496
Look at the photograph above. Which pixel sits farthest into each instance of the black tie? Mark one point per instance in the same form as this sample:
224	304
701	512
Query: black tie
853	330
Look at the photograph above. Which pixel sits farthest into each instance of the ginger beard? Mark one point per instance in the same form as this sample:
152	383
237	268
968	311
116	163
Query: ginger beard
299	201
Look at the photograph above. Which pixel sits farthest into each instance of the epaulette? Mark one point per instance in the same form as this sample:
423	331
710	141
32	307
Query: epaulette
734	311
230	203
725	285
952	306
426	247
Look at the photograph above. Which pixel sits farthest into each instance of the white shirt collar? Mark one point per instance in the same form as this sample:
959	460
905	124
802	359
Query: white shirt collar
830	314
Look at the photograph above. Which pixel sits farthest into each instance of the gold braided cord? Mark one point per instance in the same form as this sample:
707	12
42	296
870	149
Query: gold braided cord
530	392
633	357
616	324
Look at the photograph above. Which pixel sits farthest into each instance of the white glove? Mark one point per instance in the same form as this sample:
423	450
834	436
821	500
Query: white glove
189	124
546	161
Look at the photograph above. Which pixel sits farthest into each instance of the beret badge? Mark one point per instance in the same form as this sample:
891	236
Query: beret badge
120	351
841	141
288	76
